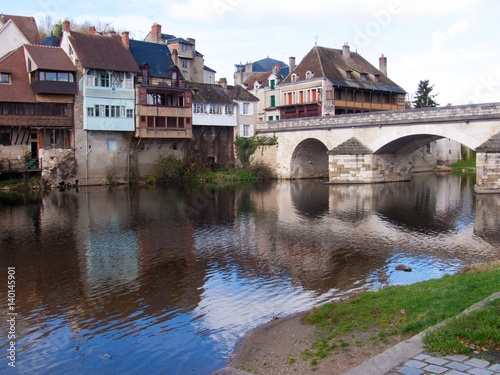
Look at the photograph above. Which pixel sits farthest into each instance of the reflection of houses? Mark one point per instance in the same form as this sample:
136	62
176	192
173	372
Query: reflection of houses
36	102
214	121
163	107
331	81
104	108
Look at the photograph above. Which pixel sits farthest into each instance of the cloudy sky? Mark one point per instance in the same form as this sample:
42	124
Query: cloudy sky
454	44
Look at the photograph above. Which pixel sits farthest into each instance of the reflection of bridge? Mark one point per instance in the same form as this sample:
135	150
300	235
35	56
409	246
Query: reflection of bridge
376	146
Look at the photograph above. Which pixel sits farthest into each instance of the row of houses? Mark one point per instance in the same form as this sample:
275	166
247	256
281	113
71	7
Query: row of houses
98	107
101	107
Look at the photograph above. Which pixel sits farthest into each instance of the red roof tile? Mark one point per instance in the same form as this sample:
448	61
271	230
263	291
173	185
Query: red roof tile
105	52
261	78
50	58
27	25
19	90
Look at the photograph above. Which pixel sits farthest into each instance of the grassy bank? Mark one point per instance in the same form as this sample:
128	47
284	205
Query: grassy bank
468	166
412	309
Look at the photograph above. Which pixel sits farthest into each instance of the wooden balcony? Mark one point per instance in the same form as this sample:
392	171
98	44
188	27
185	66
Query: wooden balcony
367	106
54	87
163	133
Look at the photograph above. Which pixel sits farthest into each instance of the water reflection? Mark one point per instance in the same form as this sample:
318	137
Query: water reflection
165	281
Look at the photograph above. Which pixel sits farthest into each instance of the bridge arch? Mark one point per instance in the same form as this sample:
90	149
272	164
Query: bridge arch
409	139
309	159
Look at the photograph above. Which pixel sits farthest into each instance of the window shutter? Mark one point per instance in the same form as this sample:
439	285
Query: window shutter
251	131
241	108
250	109
242	130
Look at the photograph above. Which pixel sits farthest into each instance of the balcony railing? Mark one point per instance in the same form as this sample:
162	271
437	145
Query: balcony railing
20	165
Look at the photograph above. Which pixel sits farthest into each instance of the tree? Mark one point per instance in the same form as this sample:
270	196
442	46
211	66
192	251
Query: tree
423	97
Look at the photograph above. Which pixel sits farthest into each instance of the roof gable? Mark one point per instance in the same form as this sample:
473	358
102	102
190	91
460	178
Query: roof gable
261	78
50	58
19	90
27	26
207	93
105	52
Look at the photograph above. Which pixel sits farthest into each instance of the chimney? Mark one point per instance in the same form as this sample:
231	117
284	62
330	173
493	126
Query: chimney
223	83
248	67
346	51
291	63
191	40
91	30
383	64
156	33
66	26
276	68
126	39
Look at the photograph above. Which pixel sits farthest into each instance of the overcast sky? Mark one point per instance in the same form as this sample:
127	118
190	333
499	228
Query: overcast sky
454	44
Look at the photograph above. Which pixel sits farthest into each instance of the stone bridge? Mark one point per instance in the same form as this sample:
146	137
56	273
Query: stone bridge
376	146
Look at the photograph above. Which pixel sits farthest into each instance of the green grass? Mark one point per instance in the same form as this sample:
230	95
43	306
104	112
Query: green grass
478	331
467	165
404	309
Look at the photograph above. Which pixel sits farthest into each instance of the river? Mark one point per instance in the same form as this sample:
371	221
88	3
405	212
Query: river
165	281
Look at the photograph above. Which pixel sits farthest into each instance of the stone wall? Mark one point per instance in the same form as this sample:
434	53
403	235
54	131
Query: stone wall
58	166
488	173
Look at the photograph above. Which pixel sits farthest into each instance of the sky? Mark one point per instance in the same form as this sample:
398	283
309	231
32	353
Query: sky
453	44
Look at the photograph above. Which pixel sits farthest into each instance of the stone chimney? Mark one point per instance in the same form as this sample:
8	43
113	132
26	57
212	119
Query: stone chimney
291	63
156	33
126	39
248	67
346	51
91	30
223	83
66	26
382	61
276	68
191	40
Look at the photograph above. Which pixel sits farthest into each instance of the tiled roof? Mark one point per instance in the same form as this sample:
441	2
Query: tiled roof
157	56
261	78
209	69
105	52
27	25
179	40
266	65
51	41
330	63
50	58
239	93
207	93
19	90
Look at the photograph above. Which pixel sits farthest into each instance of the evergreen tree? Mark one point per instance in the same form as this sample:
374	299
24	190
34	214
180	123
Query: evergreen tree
423	97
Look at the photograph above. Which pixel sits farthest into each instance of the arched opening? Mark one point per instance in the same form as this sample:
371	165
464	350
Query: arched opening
309	160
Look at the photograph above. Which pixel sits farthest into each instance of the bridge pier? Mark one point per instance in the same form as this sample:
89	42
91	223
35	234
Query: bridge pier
487	173
368	168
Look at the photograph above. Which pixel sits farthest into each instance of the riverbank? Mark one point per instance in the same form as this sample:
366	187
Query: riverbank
346	334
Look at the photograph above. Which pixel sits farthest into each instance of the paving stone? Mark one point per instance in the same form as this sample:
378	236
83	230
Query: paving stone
416	364
436	361
479	371
474	362
494	368
410	371
455	372
435	369
457	358
458	366
421	357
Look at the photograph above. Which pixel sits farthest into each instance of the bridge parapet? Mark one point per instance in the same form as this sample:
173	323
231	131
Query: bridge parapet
410	116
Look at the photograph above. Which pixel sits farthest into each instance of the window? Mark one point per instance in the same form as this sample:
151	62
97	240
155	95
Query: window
309	74
104	79
277	117
129	81
130	113
90	78
270	118
348	74
377	79
5	78
90	112
184	65
245	108
215	109
229	110
199	108
273	101
111	144
184	47
294	77
145	75
273	84
363	77
50	76
5	139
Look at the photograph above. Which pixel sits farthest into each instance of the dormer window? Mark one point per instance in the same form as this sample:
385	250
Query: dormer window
348	74
184	47
377	79
294	77
363	77
273	84
309	75
5	78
